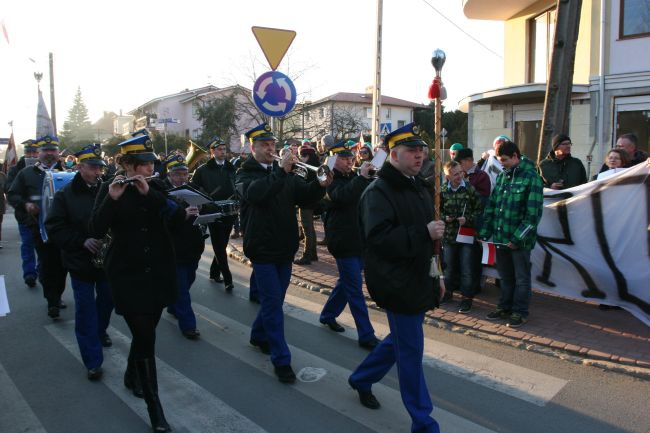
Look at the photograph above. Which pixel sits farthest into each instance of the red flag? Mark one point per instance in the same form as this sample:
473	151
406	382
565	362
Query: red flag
489	253
466	235
10	155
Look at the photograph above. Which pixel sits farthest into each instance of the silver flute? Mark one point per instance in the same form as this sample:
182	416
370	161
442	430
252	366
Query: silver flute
130	180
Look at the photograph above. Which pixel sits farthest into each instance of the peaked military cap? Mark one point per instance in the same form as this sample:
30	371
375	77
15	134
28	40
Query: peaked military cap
91	154
342	148
407	135
260	132
47	142
140	147
175	162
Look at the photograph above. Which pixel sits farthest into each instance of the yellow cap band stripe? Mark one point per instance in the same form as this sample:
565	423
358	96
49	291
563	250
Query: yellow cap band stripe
132	148
257	133
172	164
86	156
399	137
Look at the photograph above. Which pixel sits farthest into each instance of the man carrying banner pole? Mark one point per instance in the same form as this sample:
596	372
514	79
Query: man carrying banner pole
511	220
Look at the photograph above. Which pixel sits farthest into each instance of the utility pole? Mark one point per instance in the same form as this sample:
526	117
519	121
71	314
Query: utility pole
557	105
52	104
376	92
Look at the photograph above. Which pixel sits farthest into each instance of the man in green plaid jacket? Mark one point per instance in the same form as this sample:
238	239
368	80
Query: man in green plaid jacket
511	220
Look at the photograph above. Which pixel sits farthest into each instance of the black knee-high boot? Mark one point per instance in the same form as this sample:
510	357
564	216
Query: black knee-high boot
132	379
147	371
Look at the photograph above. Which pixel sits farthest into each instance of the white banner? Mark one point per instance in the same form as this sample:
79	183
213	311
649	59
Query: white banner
593	242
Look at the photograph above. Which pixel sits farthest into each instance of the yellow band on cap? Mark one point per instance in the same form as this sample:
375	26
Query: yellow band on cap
173	163
398	137
257	133
132	148
86	156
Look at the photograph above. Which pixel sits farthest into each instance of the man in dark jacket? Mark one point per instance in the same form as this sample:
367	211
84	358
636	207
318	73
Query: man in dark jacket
25	196
629	143
217	179
269	195
560	170
188	246
67	226
397	228
344	243
27	252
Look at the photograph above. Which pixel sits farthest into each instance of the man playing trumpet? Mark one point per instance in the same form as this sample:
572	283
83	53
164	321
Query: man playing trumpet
269	194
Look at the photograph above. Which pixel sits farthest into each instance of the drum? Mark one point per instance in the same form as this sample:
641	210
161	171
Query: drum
53	182
227	207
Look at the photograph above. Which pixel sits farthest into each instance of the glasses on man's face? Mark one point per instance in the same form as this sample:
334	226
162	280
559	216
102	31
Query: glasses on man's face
363	152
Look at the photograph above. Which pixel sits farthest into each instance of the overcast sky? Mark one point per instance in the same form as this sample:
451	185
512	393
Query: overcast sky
123	53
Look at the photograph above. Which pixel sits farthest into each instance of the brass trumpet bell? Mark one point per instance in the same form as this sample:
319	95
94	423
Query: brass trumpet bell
195	155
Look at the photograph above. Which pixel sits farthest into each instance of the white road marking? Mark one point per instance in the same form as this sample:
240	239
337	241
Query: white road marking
332	389
16	415
188	407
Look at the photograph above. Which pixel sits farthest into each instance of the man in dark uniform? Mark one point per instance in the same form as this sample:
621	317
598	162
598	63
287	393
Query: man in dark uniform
344	243
217	179
188	245
25	196
27	252
67	227
269	195
397	228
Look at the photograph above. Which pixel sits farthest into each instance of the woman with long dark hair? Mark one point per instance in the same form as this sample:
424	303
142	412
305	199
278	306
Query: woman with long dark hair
140	262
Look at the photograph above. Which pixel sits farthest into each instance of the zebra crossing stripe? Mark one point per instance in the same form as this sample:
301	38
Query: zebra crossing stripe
188	406
16	415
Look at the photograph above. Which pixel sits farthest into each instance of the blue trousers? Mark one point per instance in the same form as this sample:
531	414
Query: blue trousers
92	314
182	309
459	268
348	291
272	283
404	346
27	251
253	292
514	271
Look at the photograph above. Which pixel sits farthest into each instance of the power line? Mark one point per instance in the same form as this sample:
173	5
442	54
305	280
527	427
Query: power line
463	31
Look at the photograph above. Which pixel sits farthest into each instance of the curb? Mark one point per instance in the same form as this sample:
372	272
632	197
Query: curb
574	354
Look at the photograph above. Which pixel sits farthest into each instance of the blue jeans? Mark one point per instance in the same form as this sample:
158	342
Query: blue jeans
27	251
272	283
348	291
404	346
92	314
182	309
514	271
459	268
253	292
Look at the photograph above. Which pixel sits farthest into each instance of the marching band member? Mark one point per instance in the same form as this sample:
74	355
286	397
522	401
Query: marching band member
269	195
188	245
140	262
25	196
217	179
397	230
27	252
67	227
344	243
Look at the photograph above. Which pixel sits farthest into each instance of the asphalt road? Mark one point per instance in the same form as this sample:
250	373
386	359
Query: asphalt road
222	384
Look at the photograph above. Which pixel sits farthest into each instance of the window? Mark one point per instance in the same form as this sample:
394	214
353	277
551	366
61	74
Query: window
400	123
322	113
369	112
388	113
635	18
633	115
541	33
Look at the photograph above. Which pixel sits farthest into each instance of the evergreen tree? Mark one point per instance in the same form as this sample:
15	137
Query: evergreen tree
219	118
77	129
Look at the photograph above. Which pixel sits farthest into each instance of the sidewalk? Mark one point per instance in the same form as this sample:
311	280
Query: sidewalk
572	330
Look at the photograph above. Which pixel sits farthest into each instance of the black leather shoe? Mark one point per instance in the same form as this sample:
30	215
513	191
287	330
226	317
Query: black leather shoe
229	287
333	325
95	373
30	281
53	312
191	334
62	305
263	345
216	279
106	341
254	300
285	373
367	398
370	344
302	261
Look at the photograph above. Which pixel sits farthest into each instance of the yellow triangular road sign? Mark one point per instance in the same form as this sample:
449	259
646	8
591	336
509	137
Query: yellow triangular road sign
274	43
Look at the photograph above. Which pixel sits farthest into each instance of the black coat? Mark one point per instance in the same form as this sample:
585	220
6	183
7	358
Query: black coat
27	187
188	238
217	181
67	225
269	210
342	220
13	172
394	212
140	262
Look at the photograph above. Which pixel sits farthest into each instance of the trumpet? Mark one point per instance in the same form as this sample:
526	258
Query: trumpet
130	180
301	169
372	173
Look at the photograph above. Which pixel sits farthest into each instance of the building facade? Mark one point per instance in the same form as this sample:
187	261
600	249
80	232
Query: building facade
611	80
